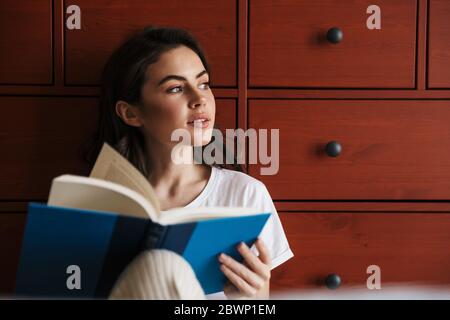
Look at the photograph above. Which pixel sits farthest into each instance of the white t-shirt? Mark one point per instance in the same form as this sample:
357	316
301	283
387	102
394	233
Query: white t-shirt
228	188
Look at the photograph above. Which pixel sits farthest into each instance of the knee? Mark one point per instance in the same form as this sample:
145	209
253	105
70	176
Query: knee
157	274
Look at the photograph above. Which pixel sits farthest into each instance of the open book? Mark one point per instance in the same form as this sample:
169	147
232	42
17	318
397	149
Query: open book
117	186
96	225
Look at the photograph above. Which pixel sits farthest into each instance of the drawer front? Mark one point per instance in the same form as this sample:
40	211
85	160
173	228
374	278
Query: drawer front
106	24
288	44
407	247
26	42
12	227
45	138
439	44
394	150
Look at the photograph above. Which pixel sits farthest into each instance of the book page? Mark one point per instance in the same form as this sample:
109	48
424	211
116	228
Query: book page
112	166
88	193
183	215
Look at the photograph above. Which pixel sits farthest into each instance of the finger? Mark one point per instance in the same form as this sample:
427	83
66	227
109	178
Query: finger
245	288
230	290
264	253
242	271
254	262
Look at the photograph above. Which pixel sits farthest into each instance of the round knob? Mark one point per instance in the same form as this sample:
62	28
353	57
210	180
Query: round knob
332	281
333	148
335	35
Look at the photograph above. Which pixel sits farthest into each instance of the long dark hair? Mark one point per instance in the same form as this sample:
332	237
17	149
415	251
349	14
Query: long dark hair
122	79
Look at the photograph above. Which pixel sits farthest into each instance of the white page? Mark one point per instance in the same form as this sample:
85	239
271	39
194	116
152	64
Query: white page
96	194
112	166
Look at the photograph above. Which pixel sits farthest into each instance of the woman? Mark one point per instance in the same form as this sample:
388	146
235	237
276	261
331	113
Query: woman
156	83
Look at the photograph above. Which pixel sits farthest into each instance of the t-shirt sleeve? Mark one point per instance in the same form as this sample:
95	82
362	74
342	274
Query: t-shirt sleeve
273	234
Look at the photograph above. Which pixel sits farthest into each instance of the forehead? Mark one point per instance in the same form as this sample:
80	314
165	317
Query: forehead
180	61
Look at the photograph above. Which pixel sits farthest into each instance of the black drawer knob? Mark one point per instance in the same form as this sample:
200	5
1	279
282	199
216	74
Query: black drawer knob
333	281
333	148
335	35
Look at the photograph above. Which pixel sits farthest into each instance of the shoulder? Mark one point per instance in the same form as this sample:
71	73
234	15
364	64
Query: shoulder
239	188
238	180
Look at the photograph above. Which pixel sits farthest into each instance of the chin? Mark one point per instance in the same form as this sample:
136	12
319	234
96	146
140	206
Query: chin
202	138
202	143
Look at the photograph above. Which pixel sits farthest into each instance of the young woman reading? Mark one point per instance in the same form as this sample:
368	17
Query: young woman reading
158	82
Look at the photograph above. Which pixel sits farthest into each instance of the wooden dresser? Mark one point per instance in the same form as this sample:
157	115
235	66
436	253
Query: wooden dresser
360	94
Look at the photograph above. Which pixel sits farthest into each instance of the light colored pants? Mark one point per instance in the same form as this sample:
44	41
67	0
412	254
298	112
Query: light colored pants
158	274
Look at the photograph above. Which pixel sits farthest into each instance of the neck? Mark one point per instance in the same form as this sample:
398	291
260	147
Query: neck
173	167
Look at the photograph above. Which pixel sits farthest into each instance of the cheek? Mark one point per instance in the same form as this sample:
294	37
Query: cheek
162	121
212	108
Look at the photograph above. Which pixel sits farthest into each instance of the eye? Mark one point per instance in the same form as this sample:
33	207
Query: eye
205	84
179	89
175	89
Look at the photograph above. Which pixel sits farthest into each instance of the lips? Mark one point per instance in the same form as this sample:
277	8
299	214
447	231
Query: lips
199	123
199	117
199	120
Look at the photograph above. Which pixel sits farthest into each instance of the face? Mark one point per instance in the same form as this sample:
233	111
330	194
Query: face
177	96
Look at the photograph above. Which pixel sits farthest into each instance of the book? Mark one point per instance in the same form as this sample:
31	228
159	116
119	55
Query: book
78	243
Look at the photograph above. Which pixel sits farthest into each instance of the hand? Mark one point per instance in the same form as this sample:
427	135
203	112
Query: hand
249	279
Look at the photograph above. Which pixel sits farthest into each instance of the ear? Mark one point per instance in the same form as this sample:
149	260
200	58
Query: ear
128	113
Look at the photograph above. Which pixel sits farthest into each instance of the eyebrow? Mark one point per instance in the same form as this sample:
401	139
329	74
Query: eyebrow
172	76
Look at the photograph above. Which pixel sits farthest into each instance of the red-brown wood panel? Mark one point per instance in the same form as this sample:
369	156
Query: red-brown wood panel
439	44
395	150
12	226
288	45
106	24
408	248
45	137
26	42
225	114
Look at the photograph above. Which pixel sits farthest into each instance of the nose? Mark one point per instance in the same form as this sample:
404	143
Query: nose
197	99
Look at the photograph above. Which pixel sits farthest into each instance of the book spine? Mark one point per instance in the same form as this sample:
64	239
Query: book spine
154	236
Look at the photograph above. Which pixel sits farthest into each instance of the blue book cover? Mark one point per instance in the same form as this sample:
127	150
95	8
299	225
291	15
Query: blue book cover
60	243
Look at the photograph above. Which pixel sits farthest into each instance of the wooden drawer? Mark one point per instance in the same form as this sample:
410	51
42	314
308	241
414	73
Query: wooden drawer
45	137
408	248
439	44
106	24
12	226
391	149
288	46
26	42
